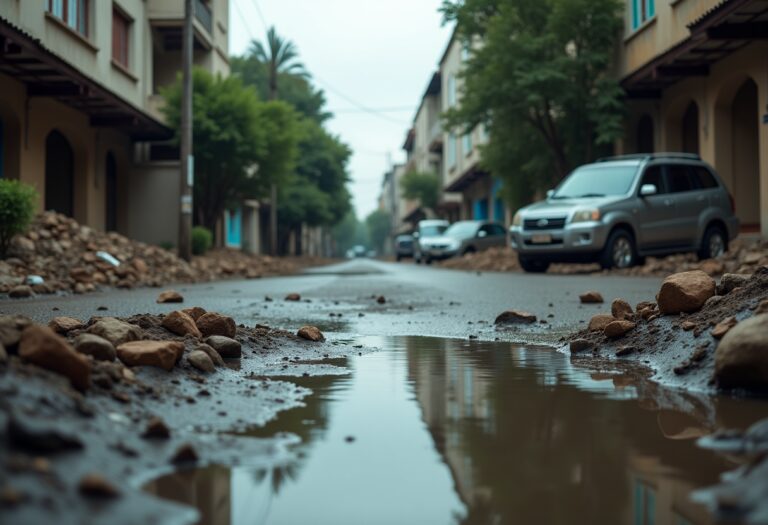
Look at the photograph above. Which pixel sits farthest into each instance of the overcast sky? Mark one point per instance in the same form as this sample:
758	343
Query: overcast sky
376	53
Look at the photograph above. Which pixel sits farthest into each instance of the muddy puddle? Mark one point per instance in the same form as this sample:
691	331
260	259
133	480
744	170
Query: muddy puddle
431	431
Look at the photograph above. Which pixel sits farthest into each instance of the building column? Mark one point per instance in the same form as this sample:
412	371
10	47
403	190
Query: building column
762	99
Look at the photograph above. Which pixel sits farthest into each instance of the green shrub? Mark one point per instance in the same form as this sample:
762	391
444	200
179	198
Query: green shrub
202	239
17	207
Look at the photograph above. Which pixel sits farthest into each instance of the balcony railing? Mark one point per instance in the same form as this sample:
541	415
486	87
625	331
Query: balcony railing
204	15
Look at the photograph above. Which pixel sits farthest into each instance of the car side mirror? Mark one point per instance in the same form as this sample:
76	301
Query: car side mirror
648	189
550	193
482	233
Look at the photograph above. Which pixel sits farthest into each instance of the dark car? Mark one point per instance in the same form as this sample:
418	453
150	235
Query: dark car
464	237
403	246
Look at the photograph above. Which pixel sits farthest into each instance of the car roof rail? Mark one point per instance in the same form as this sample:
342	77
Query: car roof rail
653	156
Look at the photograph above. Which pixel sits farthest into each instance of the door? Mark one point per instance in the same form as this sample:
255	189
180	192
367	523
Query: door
689	203
654	214
59	174
110	173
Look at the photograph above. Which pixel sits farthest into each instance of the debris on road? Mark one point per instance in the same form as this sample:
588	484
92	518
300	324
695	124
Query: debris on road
591	297
514	317
170	296
311	333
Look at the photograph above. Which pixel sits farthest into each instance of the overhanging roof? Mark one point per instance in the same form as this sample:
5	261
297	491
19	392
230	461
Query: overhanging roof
27	60
465	179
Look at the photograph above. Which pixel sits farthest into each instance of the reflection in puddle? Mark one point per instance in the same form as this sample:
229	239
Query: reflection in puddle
446	431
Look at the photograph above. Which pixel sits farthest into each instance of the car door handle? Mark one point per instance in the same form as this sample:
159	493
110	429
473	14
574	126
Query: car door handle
669	202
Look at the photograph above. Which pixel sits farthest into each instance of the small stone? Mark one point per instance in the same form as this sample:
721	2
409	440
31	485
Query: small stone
311	333
170	296
762	308
11	497
3	354
293	297
156	429
195	312
600	321
625	351
213	323
96	486
115	331
731	281
688	325
723	327
40	346
186	453
21	291
621	309
381	299
227	348
201	361
213	354
580	345
62	325
685	292
179	323
617	329
515	317
741	358
95	346
160	354
591	297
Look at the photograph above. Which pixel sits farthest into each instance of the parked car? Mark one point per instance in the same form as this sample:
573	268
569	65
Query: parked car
464	237
358	251
621	209
427	230
403	246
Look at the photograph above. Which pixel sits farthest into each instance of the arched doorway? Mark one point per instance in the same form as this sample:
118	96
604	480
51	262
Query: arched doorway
644	139
110	174
690	129
59	174
745	157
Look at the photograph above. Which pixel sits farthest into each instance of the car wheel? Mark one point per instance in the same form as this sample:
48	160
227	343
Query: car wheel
532	265
713	244
469	250
619	251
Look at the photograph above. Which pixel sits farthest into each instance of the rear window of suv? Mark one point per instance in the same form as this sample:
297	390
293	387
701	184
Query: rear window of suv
702	178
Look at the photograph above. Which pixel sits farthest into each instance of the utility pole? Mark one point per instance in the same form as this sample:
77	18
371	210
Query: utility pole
187	160
273	220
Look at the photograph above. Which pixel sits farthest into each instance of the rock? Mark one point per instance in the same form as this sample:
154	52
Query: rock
156	429
195	312
96	486
600	321
731	281
181	324
712	267
311	333
10	330
115	331
95	346
293	297
381	299
62	325
161	354
580	345
186	453
687	325
10	496
591	297
201	361
617	329
685	292
741	358
227	347
213	354
170	296
625	350
713	301
723	327
3	355
621	309
39	437
40	346
212	323
21	291
762	308
515	317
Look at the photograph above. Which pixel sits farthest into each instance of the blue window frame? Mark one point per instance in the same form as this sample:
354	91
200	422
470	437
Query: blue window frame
642	11
481	210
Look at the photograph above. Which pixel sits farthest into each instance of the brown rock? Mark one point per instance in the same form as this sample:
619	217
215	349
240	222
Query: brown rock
115	331
685	292
762	308
11	327
95	346
731	281
201	361
195	312
213	354
226	347
515	317
645	304
156	429
186	453
3	355
40	346
62	325
293	297
591	297
621	309
617	329
170	296
687	325
140	266
741	358
181	324
712	267
96	486
381	299
161	354
580	345
600	321
21	291
212	323
311	333
723	327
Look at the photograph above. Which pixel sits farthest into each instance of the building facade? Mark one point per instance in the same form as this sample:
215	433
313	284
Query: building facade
696	76
80	112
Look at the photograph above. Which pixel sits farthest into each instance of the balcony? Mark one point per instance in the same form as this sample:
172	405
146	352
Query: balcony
204	16
167	20
436	137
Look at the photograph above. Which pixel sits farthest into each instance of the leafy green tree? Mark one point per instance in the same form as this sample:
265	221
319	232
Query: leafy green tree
424	187
379	224
541	82
280	56
17	207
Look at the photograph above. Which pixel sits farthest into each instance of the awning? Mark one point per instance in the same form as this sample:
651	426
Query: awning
466	179
726	28
24	58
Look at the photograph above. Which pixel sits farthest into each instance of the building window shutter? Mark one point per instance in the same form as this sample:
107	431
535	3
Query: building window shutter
120	38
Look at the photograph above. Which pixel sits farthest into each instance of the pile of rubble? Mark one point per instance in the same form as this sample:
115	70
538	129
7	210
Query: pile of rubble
744	256
59	254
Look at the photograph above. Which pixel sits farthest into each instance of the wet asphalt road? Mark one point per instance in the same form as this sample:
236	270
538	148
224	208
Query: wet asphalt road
341	300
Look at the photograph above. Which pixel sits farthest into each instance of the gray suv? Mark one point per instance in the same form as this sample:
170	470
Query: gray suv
618	210
464	237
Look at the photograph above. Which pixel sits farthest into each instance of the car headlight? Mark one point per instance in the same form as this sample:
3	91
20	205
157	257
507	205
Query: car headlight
586	216
517	220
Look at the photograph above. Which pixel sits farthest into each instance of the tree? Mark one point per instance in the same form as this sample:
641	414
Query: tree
379	225
424	187
541	82
241	144
17	207
280	56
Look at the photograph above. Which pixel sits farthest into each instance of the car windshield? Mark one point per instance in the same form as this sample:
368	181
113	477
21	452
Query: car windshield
596	181
461	230
433	230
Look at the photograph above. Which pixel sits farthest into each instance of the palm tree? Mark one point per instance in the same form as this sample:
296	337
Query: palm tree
279	56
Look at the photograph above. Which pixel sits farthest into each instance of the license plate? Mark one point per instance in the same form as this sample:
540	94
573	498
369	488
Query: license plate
541	239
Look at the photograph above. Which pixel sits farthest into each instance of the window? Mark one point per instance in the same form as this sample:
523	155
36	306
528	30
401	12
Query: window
74	13
653	176
121	26
703	179
451	150
451	91
642	11
678	178
466	143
